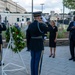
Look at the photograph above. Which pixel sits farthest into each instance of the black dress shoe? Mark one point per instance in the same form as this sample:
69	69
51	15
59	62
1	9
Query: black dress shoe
71	59
53	56
74	59
50	55
1	64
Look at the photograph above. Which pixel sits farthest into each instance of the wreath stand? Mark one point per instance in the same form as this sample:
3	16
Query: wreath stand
6	65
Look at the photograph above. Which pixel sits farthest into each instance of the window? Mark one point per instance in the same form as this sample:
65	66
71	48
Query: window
27	19
17	19
22	19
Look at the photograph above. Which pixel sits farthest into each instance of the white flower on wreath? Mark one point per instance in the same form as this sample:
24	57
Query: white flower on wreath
13	32
20	37
17	36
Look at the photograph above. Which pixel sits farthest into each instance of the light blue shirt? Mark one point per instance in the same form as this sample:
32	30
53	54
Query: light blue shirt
74	23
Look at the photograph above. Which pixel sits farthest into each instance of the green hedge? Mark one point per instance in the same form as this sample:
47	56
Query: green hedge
61	33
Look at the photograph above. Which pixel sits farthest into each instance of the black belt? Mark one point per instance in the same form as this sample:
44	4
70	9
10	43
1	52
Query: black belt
39	37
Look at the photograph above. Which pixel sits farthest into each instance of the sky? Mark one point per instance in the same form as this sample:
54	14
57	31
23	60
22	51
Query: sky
49	5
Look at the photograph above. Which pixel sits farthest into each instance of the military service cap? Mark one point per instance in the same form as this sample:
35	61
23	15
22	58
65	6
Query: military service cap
36	14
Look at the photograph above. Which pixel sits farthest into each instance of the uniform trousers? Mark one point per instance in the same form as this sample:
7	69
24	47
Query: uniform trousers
72	46
36	62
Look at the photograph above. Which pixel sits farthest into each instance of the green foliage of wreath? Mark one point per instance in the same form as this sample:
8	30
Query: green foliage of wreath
17	35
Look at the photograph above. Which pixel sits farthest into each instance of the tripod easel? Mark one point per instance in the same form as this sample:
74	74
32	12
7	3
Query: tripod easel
11	41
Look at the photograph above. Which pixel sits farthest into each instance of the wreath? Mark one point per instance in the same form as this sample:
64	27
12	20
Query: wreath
18	43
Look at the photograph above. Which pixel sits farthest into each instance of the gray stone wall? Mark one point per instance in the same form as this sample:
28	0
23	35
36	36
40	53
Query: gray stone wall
60	42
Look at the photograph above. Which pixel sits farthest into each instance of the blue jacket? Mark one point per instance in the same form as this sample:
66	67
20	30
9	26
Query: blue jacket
71	30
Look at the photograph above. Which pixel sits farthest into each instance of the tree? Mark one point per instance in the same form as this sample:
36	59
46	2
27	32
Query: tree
69	4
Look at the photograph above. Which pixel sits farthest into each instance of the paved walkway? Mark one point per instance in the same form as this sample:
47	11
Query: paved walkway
60	65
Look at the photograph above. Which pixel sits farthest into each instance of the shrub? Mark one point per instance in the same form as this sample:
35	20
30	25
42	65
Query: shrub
61	34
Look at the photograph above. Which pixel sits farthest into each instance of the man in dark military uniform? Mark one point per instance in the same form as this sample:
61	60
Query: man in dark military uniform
71	28
35	33
2	28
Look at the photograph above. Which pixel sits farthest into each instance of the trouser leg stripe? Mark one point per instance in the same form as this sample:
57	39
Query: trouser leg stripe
40	62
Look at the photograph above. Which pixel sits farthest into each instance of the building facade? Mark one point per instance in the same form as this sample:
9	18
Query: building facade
19	18
13	18
10	6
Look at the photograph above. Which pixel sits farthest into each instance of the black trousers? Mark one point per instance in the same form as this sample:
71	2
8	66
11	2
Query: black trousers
72	46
